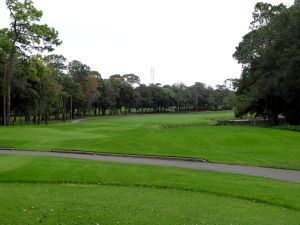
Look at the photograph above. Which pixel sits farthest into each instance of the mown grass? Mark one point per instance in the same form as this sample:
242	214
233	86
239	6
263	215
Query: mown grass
49	190
142	134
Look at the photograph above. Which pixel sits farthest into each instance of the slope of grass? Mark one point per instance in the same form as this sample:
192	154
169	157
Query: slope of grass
80	204
45	190
142	134
26	169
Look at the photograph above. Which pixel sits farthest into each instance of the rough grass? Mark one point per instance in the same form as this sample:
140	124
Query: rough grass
142	134
288	127
45	190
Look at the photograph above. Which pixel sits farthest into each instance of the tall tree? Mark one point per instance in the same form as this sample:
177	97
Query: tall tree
57	63
132	79
78	70
270	82
25	35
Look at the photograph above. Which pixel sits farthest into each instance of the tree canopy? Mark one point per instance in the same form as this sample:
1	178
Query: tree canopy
24	36
270	82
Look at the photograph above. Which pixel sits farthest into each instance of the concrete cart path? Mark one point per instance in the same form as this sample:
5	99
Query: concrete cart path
279	174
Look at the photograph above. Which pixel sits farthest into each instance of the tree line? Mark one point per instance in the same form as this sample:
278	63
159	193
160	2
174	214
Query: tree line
36	88
49	87
270	54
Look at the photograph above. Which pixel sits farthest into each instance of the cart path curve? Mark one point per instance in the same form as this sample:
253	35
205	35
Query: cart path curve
279	174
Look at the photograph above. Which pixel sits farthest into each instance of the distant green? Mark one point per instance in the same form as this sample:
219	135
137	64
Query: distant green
143	134
45	190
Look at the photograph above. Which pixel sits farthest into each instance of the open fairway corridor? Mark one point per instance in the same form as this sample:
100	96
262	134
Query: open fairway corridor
194	135
110	186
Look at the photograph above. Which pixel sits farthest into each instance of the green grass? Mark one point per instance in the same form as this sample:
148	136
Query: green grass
45	190
142	134
289	127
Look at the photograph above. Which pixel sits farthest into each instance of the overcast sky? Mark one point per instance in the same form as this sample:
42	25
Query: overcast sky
185	40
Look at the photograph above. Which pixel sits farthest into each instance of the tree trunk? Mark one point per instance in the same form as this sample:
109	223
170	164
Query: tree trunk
39	118
4	98
34	119
63	108
15	119
7	88
71	108
103	111
46	118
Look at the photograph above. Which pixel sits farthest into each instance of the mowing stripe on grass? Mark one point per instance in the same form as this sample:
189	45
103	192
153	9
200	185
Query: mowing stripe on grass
280	174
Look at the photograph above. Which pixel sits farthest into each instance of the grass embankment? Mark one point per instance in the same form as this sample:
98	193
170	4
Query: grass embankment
288	127
142	134
48	190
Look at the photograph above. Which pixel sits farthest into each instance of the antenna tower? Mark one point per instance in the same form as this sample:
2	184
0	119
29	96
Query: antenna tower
152	74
